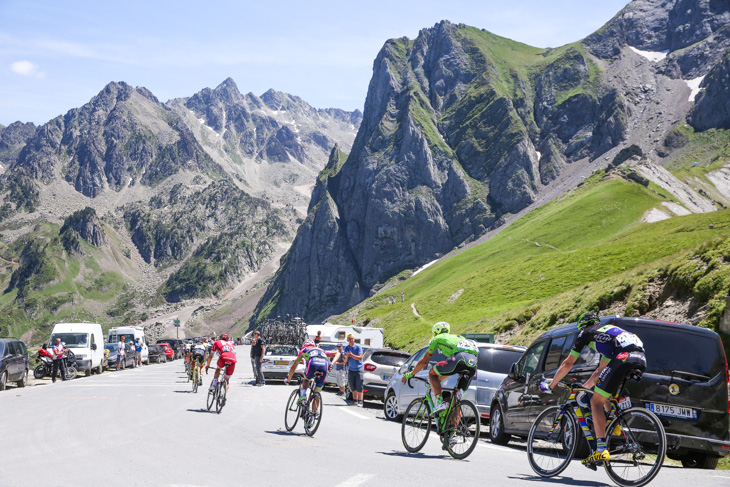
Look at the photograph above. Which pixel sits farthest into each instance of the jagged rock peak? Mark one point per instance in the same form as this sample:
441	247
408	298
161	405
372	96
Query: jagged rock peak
87	225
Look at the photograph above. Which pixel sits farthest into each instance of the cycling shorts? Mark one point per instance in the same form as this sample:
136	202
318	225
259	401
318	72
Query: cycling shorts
197	356
314	365
461	361
615	372
227	360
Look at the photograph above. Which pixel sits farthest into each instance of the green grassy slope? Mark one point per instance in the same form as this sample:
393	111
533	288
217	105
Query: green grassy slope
587	250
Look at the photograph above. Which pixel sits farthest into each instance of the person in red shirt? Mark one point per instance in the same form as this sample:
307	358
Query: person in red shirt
227	358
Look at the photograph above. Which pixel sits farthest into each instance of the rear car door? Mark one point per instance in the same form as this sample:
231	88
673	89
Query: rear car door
417	388
14	360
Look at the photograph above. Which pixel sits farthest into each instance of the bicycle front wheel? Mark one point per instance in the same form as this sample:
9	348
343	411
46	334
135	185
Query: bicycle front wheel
212	395
637	444
552	442
462	430
291	415
416	425
221	400
313	416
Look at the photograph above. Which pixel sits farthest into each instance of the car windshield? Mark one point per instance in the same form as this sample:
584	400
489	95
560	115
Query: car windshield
327	347
281	350
497	360
394	359
72	340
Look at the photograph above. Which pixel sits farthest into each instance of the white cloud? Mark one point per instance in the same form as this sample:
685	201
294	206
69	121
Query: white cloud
26	68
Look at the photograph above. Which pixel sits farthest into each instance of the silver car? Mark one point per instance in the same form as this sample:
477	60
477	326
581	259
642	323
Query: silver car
493	364
379	366
277	362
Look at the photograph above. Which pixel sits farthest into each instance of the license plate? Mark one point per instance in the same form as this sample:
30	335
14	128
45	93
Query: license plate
281	362
624	403
386	376
674	411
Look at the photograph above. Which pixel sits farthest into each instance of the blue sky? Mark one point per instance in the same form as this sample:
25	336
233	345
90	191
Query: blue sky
56	55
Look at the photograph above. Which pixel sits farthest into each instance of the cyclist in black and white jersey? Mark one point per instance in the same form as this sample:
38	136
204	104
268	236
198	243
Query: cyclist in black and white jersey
621	352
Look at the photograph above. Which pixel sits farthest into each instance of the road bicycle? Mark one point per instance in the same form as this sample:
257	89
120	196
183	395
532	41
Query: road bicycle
635	438
458	426
304	409
196	378
217	395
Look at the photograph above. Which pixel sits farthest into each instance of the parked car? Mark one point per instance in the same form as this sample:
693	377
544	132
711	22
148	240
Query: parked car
278	360
14	362
157	354
176	346
114	355
169	352
379	366
686	384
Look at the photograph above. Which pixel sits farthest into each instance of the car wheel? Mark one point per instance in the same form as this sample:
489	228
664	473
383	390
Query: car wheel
700	460
3	380
390	407
496	426
100	369
23	379
87	372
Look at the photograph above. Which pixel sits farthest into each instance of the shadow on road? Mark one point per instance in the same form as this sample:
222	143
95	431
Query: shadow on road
183	392
558	480
200	411
418	455
285	433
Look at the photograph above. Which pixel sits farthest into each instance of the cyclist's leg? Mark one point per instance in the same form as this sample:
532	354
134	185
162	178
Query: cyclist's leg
608	383
319	385
230	367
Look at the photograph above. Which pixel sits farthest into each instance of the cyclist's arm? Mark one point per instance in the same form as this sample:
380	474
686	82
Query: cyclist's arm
210	358
594	377
293	367
563	370
421	364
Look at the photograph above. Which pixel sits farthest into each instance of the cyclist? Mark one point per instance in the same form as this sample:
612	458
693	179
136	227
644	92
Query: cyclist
187	347
316	361
227	358
461	354
198	355
621	352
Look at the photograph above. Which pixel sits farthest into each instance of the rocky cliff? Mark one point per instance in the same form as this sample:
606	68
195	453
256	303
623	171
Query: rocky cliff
463	128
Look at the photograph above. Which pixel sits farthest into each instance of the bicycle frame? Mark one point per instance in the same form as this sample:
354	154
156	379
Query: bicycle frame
441	417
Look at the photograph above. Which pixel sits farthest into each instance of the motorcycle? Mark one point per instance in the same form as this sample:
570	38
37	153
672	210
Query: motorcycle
45	367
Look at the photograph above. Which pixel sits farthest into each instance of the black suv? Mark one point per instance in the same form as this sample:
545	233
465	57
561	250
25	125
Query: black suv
686	384
14	363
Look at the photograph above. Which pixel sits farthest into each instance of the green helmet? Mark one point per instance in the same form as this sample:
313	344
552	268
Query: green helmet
587	319
441	327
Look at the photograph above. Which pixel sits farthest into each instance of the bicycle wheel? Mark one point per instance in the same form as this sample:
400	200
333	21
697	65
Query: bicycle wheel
71	373
195	379
313	418
416	425
212	396
221	399
551	444
291	415
462	430
637	444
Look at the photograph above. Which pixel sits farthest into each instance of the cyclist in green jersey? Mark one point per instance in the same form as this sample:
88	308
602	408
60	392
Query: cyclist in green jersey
461	354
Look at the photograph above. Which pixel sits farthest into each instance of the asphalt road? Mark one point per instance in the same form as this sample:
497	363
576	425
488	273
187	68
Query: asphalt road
145	427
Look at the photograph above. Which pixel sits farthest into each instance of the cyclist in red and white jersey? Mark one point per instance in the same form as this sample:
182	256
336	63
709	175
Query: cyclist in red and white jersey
226	358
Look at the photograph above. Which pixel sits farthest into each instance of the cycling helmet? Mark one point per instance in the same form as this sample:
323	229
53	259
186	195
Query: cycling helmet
441	327
308	343
587	319
224	337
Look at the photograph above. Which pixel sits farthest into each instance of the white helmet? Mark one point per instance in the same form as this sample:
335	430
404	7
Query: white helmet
307	343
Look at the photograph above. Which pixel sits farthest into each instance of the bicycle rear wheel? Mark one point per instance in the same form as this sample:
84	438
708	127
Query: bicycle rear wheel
212	396
221	399
551	444
637	444
195	379
462	430
291	415
313	417
416	425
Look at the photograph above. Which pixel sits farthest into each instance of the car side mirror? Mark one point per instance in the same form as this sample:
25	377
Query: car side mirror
514	372
93	346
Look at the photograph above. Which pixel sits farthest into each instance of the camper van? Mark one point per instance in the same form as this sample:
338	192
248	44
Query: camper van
86	341
364	335
130	333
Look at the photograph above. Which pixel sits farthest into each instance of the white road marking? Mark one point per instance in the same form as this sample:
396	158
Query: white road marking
357	480
496	447
357	416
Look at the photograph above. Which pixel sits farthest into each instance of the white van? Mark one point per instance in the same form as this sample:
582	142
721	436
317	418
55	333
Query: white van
130	333
86	341
364	335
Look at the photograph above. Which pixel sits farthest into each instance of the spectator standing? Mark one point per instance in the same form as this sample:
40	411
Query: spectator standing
59	361
121	353
402	297
318	338
258	348
340	364
353	353
138	352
